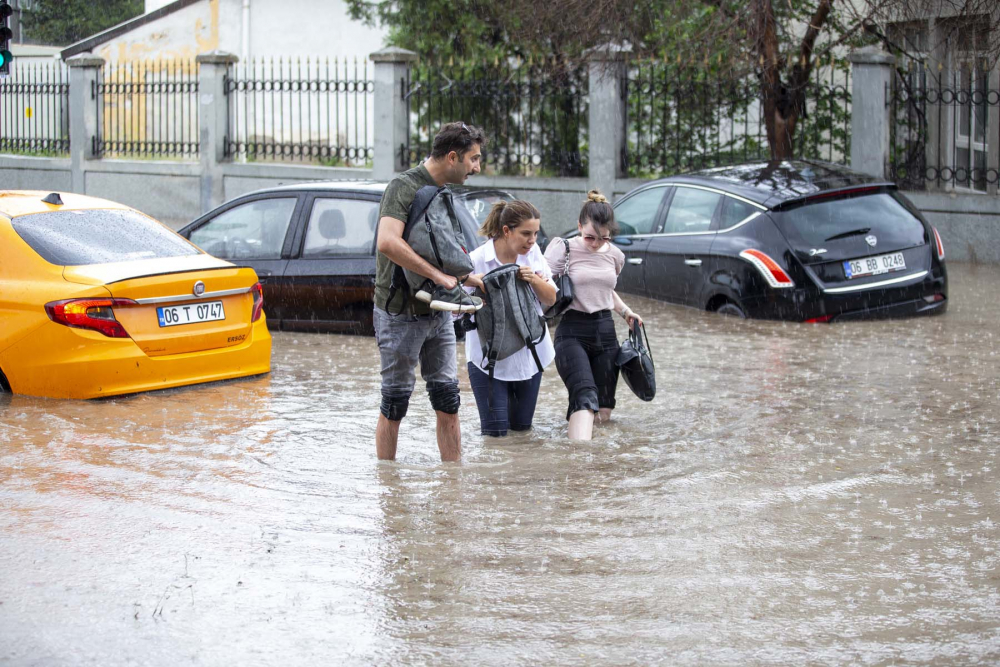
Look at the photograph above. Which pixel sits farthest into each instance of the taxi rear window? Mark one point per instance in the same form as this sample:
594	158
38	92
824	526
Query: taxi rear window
98	236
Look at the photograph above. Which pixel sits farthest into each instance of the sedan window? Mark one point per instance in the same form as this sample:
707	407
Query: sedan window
637	214
691	210
479	204
341	227
735	211
255	230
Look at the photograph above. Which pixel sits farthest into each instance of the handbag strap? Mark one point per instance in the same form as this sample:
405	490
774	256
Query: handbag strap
637	340
565	270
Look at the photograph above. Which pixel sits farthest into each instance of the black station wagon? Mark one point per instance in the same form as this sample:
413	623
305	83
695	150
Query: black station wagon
798	240
313	247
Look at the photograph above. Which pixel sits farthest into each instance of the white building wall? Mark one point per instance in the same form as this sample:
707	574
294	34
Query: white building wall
285	28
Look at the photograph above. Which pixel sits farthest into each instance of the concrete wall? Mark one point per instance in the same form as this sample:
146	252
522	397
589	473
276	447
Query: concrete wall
969	225
169	191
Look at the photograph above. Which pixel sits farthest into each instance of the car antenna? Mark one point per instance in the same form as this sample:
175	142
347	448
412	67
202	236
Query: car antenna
53	198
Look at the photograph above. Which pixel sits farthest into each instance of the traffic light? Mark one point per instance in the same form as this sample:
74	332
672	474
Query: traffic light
5	36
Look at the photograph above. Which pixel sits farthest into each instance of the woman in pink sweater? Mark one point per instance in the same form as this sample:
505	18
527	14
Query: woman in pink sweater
586	343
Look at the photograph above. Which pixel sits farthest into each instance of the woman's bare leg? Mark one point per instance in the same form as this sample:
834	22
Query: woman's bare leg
581	425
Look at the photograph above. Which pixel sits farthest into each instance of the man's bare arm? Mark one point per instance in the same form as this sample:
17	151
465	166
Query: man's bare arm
392	245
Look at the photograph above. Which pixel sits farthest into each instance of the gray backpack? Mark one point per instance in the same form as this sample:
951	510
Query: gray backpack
509	319
434	232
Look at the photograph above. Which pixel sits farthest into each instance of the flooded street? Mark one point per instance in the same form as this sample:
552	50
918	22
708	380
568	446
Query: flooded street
795	494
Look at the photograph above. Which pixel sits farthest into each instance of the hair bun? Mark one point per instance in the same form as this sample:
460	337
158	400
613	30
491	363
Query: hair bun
596	196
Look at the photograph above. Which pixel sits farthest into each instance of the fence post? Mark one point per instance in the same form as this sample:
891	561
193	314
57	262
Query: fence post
213	125
83	114
992	125
871	76
392	111
606	119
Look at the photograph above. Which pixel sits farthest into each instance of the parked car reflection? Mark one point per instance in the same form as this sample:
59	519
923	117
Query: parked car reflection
313	247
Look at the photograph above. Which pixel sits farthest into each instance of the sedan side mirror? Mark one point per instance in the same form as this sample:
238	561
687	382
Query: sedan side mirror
622	240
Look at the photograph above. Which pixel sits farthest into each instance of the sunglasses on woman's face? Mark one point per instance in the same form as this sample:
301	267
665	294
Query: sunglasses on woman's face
590	238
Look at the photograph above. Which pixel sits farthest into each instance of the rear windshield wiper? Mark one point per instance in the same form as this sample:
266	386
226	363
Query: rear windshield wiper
853	232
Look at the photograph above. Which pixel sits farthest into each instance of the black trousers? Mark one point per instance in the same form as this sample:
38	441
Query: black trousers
586	348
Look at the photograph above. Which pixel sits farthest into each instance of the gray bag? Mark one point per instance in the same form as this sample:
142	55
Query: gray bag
509	319
434	232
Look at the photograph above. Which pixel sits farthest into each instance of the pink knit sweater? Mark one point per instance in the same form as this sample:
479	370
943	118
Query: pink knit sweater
594	274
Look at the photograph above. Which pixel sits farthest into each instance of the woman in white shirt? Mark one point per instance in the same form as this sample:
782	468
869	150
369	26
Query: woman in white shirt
512	229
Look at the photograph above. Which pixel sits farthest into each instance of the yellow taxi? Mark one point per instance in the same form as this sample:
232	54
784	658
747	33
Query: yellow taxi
97	299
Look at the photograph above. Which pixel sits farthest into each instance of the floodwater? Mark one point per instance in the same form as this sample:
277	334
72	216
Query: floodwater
795	494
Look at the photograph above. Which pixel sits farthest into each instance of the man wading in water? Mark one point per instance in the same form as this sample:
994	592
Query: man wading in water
407	330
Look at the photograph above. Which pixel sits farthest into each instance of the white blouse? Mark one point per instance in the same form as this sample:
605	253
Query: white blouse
520	365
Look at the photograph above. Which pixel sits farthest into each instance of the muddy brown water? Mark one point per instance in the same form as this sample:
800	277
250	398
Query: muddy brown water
795	494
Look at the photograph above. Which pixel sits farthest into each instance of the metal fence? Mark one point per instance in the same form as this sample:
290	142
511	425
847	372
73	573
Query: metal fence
941	129
678	121
314	111
147	109
535	116
34	110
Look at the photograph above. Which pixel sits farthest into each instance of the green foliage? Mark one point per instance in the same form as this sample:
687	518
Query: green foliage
63	22
701	110
535	117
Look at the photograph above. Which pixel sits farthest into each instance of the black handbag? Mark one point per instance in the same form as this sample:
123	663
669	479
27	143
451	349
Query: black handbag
564	297
636	364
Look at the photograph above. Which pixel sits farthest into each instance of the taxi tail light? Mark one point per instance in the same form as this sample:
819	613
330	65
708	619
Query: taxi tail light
258	301
770	269
819	320
940	246
93	314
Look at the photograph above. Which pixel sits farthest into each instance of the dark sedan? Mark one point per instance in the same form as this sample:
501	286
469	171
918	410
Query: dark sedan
313	247
798	240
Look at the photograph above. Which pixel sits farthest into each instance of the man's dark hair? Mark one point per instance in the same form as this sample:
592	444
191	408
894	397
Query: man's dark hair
457	137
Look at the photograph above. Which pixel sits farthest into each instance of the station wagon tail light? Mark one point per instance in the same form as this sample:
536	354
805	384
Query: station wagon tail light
940	246
93	314
258	301
770	269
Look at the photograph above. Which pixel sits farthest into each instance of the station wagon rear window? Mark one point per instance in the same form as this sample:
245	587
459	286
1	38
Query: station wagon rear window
99	236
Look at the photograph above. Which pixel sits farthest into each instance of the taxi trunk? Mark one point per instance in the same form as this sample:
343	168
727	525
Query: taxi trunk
178	312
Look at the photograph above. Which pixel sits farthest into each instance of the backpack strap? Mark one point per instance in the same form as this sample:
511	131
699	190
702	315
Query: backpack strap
398	282
534	355
526	311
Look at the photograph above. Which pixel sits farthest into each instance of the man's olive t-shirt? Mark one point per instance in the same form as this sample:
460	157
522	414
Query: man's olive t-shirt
396	202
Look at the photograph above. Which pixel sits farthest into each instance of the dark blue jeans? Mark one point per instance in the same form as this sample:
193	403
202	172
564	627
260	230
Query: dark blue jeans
513	404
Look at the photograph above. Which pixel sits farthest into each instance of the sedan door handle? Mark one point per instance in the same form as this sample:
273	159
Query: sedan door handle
635	260
693	262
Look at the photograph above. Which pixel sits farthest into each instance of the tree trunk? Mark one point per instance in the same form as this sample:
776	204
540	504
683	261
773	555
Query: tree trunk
784	103
781	115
